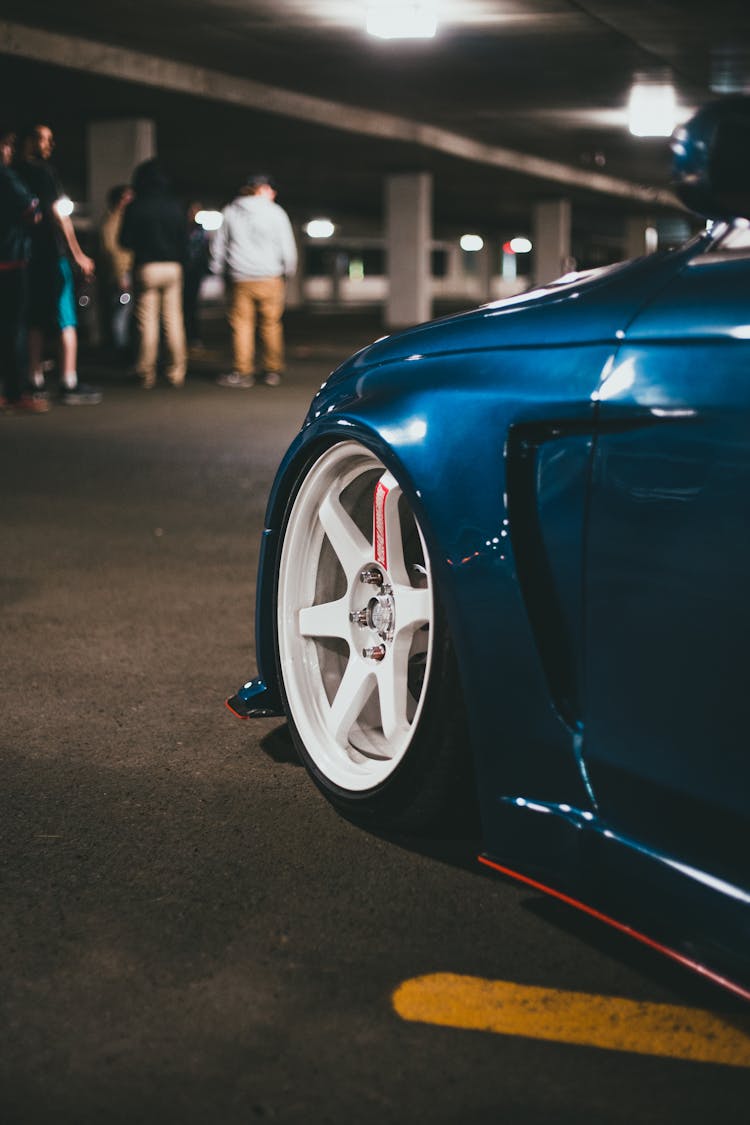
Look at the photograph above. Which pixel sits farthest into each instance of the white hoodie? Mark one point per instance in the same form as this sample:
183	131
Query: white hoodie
254	241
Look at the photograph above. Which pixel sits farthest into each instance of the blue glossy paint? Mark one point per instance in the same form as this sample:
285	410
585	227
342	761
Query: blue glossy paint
668	554
579	462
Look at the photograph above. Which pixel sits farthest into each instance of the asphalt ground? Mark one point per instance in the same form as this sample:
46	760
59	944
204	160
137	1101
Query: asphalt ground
188	932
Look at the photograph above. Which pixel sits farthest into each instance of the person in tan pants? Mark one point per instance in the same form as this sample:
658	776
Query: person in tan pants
154	228
255	248
158	287
261	300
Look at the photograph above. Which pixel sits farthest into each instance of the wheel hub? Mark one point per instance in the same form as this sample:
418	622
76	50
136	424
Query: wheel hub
381	614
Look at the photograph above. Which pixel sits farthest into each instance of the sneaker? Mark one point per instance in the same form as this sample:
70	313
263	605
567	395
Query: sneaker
31	404
26	404
80	395
272	378
235	379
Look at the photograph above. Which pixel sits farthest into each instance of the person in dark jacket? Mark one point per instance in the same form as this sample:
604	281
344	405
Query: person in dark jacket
153	227
19	210
52	307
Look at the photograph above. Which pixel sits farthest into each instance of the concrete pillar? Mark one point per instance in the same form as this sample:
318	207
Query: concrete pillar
552	256
338	262
408	238
641	237
486	263
295	286
114	149
453	269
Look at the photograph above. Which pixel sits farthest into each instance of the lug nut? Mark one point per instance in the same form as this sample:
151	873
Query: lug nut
359	617
376	653
372	575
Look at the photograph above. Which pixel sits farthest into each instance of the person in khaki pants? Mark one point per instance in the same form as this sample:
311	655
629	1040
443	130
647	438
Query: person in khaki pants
255	248
154	228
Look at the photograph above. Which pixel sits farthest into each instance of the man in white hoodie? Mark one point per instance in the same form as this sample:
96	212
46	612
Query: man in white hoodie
255	249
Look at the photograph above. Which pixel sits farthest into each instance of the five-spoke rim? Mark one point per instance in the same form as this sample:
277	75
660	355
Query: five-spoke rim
355	616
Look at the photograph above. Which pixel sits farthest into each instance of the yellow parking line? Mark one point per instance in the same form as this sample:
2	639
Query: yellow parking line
610	1022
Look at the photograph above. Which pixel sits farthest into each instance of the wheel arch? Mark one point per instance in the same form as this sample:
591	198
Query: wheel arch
519	747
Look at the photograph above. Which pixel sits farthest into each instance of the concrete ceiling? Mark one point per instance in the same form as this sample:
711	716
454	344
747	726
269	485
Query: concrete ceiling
299	88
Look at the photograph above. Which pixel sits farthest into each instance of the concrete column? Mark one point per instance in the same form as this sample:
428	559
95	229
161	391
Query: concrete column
453	270
408	208
552	256
486	262
338	262
641	237
114	148
295	286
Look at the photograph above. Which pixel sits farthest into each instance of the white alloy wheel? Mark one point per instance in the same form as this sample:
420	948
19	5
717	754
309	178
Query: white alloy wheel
355	614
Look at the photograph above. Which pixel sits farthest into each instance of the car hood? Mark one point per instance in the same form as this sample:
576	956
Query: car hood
579	308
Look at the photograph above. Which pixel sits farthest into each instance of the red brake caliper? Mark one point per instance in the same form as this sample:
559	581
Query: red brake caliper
379	537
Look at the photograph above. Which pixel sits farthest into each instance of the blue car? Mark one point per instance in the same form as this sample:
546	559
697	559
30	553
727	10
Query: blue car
507	559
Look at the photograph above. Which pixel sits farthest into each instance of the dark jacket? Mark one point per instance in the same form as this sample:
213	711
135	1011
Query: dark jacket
17	207
153	225
41	179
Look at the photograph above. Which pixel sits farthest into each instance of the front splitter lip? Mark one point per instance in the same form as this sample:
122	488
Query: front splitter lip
255	700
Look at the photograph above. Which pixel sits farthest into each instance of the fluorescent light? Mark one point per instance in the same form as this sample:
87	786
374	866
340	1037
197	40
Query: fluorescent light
652	109
401	19
209	220
471	242
320	228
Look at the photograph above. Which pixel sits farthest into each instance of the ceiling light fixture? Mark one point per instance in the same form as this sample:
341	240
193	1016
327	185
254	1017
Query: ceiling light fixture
652	109
401	19
209	220
471	242
64	206
320	228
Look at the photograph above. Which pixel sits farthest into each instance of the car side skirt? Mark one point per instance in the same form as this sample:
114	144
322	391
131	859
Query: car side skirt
690	916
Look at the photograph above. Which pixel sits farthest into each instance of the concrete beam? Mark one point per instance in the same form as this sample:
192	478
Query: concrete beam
135	66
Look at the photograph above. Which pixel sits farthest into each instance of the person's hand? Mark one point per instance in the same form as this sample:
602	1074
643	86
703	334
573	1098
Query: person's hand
87	266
